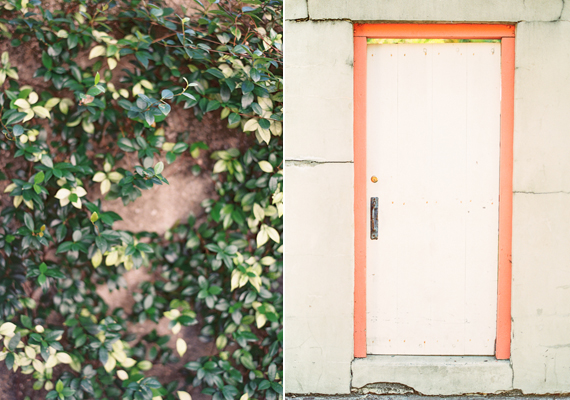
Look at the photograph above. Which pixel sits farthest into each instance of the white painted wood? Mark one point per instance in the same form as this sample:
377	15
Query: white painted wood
433	123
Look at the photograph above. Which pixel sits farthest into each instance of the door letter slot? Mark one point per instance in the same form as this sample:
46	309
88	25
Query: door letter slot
374	218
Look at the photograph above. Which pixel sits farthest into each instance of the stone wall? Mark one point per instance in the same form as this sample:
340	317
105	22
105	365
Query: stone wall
319	282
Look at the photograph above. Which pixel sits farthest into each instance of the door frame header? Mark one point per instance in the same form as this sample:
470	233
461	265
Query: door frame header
434	31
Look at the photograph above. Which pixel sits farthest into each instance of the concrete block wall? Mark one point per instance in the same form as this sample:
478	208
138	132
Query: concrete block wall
319	185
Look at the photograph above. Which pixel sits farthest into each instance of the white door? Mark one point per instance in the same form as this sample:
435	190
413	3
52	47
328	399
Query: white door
433	126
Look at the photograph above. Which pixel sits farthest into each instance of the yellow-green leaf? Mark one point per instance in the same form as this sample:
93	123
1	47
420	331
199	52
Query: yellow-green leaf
105	186
22	104
264	134
183	395
74	123
99	176
33	98
265	166
97	258
114	176
52	102
236	275
273	234
251	125
167	146
181	346
260	319
112	63
221	342
262	237
112	258
41	112
122	375
97	51
7	329
258	212
144	365
110	364
146	84
30	352
63	358
219	166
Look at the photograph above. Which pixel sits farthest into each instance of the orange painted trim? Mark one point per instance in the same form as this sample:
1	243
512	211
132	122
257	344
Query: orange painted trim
503	346
434	31
360	209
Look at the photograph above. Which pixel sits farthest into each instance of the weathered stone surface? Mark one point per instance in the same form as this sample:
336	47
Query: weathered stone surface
541	293
296	9
318	317
318	98
542	120
438	10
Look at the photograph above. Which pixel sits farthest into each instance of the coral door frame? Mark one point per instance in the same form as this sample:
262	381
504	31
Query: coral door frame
506	34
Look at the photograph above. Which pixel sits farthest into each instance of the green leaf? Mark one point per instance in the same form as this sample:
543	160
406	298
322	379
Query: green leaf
170	157
167	94
47	161
164	108
96	90
189	96
29	221
47	61
216	73
97	78
13	343
94	217
144	248
43	268
125	144
64	247
233	118
39	177
247	86
230	392
179	148
72	40
277	387
143	57
272	371
9	360
42	279
149	118
17	130
159	167
15	117
212	105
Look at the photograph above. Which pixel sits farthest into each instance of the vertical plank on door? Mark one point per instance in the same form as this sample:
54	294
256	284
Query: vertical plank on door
433	142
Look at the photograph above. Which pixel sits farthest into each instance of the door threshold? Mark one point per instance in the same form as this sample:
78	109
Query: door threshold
432	375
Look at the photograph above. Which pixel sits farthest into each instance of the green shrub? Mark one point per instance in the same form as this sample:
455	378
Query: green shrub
67	137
